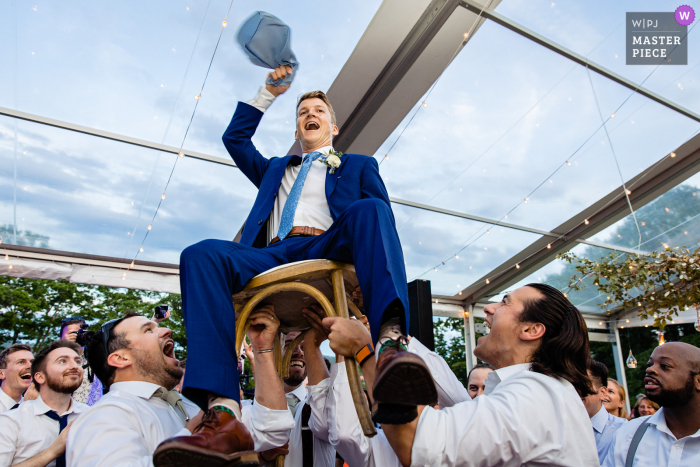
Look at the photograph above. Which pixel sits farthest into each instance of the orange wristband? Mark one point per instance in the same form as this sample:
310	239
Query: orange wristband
364	353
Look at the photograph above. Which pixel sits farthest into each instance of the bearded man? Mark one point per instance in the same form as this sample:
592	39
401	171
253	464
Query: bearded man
34	434
672	435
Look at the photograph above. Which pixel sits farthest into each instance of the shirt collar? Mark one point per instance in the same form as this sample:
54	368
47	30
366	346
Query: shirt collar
141	389
40	407
6	400
496	377
323	150
600	419
300	392
659	421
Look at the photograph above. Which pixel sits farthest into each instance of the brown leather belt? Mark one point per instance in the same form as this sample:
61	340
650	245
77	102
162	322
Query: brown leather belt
304	231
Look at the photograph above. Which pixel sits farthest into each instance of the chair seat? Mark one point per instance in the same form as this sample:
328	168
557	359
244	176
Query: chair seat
288	305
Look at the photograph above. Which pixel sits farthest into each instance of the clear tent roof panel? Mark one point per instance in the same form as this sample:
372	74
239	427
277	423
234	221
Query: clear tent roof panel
106	67
494	132
596	30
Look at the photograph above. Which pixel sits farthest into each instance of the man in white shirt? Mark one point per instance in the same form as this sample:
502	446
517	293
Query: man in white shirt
530	412
345	431
15	374
34	434
670	437
604	424
305	438
266	427
476	379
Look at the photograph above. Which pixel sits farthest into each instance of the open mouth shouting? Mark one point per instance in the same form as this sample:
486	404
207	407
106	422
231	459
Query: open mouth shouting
169	349
27	375
312	126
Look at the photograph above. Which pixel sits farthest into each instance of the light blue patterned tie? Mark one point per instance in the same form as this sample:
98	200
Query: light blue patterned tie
290	207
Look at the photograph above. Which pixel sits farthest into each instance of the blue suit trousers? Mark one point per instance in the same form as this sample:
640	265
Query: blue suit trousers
213	270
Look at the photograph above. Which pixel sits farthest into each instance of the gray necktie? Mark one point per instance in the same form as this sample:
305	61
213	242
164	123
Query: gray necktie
173	398
292	402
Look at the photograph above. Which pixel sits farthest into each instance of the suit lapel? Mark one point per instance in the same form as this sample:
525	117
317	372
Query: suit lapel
332	179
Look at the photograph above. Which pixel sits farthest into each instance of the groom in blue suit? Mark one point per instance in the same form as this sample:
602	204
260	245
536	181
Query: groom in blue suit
318	206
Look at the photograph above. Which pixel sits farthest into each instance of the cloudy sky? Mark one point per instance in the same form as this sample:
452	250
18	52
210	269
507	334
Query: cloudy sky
499	126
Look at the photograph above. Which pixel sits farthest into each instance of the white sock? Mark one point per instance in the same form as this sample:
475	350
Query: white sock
390	330
230	404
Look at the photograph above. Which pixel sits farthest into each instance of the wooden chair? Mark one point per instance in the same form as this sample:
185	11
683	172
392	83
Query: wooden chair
291	287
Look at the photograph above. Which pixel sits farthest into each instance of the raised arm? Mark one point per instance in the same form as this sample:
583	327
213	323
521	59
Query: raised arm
238	136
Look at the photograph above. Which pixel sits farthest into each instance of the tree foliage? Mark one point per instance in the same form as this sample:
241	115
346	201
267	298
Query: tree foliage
659	285
31	310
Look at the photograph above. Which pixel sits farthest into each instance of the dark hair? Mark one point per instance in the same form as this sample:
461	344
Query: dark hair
95	351
328	363
599	374
65	324
10	350
317	95
39	363
564	351
476	367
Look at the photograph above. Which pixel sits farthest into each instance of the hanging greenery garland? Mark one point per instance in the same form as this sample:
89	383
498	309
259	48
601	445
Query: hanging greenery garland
659	284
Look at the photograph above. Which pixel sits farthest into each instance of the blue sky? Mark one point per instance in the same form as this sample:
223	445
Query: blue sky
505	115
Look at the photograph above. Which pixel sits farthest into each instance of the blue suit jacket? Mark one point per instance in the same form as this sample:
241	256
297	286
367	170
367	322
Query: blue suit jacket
356	178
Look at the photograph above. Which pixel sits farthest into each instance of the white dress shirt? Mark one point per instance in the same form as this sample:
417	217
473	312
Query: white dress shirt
312	209
26	431
268	428
450	389
6	402
658	447
345	431
523	418
324	453
605	425
125	427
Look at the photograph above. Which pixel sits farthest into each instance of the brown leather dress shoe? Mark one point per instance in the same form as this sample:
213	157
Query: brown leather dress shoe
403	382
219	440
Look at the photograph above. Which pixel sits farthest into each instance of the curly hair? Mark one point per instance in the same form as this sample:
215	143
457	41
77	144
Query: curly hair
564	351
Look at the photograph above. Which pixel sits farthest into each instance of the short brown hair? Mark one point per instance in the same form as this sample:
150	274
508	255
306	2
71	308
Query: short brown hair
9	351
39	363
317	95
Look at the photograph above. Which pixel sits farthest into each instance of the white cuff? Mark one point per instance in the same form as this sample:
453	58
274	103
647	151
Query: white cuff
263	100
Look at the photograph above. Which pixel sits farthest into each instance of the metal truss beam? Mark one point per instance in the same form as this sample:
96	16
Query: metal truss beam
113	136
645	187
581	60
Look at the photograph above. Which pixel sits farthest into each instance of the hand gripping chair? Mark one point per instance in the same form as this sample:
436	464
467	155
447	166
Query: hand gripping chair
291	287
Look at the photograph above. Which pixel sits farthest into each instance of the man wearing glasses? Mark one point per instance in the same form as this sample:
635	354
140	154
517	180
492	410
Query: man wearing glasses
90	390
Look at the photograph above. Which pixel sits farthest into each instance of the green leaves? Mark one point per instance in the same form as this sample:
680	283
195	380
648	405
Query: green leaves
659	284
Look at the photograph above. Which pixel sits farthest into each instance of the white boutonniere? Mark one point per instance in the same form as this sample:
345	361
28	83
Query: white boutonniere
331	158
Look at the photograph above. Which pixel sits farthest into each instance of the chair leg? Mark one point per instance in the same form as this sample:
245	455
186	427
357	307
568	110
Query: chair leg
358	396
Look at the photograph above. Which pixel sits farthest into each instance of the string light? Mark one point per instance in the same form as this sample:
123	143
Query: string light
629	192
149	227
162	197
673	154
181	154
224	24
457	256
568	163
466	34
526	200
662	340
517	266
141	249
549	246
9	267
488	281
631	361
425	104
612	116
586	222
197	96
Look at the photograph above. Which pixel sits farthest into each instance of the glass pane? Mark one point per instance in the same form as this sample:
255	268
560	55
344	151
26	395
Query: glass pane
488	138
595	29
90	195
134	68
429	238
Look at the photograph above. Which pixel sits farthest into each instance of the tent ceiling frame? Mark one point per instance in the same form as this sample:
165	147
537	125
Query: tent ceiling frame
581	60
647	186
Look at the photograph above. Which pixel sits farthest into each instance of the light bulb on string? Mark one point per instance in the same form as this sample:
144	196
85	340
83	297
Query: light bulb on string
662	340
150	227
631	361
162	196
9	267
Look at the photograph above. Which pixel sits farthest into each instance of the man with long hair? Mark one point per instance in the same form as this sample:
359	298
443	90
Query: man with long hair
531	411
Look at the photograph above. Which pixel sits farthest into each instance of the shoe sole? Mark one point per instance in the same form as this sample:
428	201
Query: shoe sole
184	455
393	414
405	381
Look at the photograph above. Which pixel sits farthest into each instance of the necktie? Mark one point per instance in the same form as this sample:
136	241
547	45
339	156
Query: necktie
62	422
173	398
290	207
292	402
